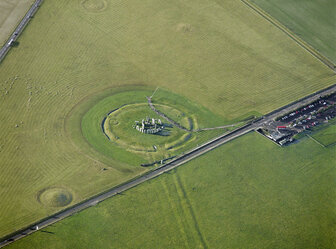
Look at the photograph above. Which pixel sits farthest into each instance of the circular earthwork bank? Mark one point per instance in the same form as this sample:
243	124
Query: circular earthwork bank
54	197
94	6
119	127
104	125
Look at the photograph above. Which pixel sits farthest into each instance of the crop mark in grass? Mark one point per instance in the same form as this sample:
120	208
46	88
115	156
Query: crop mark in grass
184	28
94	6
183	230
306	168
187	207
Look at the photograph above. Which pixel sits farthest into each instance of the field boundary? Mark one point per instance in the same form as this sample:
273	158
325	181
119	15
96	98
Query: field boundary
19	29
315	140
290	34
307	99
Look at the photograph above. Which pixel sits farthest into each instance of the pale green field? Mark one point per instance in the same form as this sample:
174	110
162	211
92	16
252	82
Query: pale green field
11	13
313	21
246	194
222	57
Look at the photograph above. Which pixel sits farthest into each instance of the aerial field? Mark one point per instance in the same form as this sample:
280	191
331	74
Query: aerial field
313	21
247	194
326	136
11	13
223	58
116	116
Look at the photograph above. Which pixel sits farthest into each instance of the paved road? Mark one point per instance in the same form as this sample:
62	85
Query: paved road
17	32
173	164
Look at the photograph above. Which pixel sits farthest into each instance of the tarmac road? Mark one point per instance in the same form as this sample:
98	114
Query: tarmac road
171	165
17	32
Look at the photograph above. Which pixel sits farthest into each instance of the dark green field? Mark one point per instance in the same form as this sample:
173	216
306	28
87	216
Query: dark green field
314	21
248	193
326	136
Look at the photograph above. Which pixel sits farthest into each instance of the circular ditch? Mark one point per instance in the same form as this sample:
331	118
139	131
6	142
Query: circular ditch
94	5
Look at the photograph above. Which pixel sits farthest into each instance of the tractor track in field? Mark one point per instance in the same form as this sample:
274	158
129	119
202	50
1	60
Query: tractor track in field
196	152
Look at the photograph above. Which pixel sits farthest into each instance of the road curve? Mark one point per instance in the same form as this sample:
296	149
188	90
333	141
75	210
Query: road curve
171	165
17	32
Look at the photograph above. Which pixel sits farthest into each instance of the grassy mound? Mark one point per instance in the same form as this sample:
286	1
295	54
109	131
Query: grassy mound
55	197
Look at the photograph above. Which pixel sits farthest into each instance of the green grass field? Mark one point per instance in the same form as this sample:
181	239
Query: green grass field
326	136
313	21
130	145
248	193
222	57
